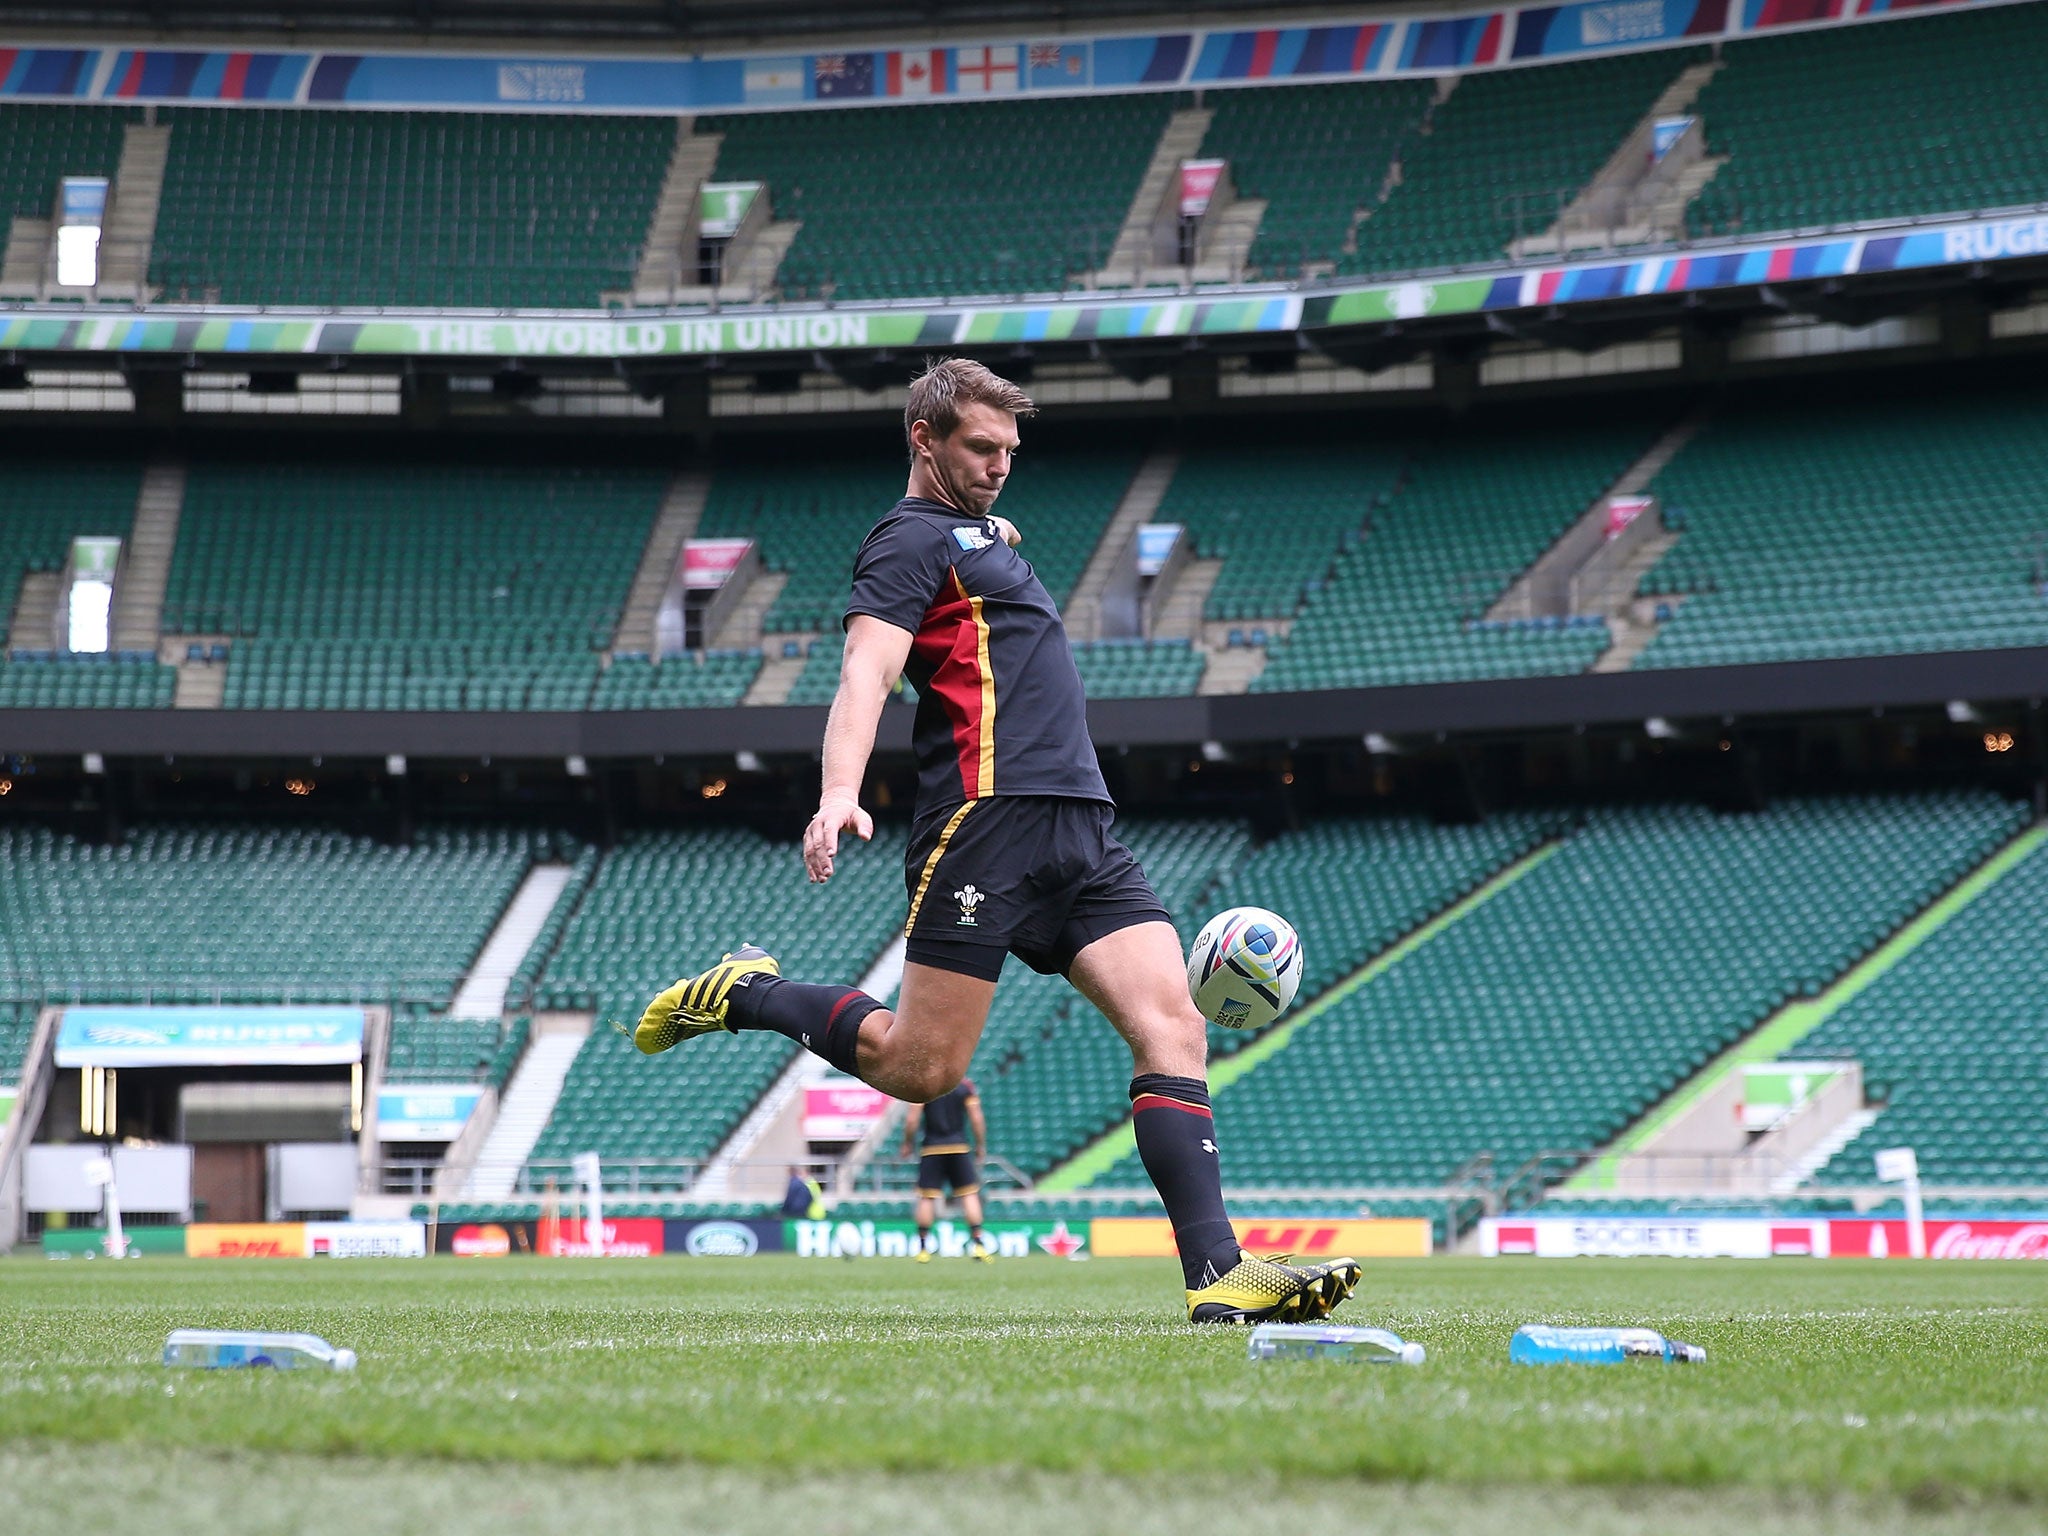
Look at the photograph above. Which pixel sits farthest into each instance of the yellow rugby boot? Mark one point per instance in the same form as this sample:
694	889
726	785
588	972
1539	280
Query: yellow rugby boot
696	1005
1258	1291
1334	1279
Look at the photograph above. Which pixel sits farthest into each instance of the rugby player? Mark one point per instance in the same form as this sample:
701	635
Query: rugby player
948	1162
1011	851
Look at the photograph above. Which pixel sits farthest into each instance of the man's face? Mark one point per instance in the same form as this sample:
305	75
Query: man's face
972	463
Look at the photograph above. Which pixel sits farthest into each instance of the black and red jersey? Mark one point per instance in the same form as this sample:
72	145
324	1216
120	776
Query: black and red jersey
1000	708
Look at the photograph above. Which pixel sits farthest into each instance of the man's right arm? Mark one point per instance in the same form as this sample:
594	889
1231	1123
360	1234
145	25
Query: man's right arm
875	653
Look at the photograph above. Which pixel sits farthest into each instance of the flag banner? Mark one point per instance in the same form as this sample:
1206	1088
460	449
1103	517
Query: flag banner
986	71
838	75
919	72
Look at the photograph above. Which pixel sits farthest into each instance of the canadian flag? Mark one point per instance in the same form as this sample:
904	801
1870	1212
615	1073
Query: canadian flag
984	71
921	72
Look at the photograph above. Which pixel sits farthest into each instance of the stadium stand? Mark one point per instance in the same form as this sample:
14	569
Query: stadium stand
39	146
464	210
700	680
1503	156
1855	529
1477	508
662	904
1277	522
43	506
192	913
429	1048
1138	669
1950	1040
1850	124
810	515
1556	1012
954	199
455	586
1318	155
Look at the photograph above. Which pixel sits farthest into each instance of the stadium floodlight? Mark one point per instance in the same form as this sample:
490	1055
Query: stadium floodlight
394	764
1379	745
93	764
1962	712
747	761
1657	728
577	766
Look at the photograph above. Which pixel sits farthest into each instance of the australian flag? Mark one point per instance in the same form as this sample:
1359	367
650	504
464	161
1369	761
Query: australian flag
843	74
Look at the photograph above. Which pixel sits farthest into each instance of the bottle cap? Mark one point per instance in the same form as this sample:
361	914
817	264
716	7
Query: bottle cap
344	1359
1412	1354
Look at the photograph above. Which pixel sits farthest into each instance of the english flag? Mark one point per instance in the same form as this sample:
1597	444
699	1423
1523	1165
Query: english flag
984	71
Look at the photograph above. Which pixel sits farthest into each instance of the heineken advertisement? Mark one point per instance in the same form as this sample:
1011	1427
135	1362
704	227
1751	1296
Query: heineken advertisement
1081	317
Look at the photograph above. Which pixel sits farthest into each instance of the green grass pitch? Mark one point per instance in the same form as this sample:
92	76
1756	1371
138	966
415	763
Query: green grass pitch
807	1395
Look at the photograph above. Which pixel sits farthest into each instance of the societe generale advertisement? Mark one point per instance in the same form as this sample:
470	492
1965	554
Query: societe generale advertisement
1310	1237
1684	1237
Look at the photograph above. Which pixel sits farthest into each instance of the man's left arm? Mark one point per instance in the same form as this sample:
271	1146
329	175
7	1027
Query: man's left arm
980	1125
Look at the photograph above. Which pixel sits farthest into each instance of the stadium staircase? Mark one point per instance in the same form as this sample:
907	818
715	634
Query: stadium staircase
753	1159
528	1103
682	507
1134	258
132	204
482	995
664	903
1636	200
1577	574
1139	504
1958	941
34	624
146	558
668	256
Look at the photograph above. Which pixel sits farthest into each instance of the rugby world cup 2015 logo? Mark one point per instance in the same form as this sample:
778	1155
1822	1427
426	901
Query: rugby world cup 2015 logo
969	898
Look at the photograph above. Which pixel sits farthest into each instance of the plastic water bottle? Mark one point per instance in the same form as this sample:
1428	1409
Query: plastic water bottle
216	1349
1320	1341
1537	1344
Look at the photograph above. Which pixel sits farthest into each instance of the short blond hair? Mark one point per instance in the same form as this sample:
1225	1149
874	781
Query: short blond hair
937	394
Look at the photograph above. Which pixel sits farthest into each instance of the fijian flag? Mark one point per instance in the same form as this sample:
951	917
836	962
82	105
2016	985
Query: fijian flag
843	74
1058	66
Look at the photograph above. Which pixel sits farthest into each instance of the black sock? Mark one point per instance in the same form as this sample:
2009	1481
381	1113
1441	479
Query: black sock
924	1238
823	1020
1177	1141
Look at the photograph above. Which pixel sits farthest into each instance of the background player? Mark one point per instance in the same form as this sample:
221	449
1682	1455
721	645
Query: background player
1010	848
949	1163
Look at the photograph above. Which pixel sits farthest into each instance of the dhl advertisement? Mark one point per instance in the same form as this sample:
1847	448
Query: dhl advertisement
1311	1237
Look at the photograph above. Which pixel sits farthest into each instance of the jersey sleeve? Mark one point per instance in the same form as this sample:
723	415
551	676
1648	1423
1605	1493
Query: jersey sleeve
899	572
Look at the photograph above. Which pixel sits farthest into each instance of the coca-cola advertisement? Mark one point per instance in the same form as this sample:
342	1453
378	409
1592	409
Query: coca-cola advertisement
1947	1238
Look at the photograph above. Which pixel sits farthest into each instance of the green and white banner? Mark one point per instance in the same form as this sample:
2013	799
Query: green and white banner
722	206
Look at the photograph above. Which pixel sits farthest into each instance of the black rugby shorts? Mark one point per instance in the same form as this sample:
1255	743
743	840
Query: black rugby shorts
1035	876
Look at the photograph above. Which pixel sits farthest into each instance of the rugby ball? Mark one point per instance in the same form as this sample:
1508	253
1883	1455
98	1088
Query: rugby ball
1243	967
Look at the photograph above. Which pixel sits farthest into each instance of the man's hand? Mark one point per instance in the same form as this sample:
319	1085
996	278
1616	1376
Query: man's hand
1007	529
836	814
